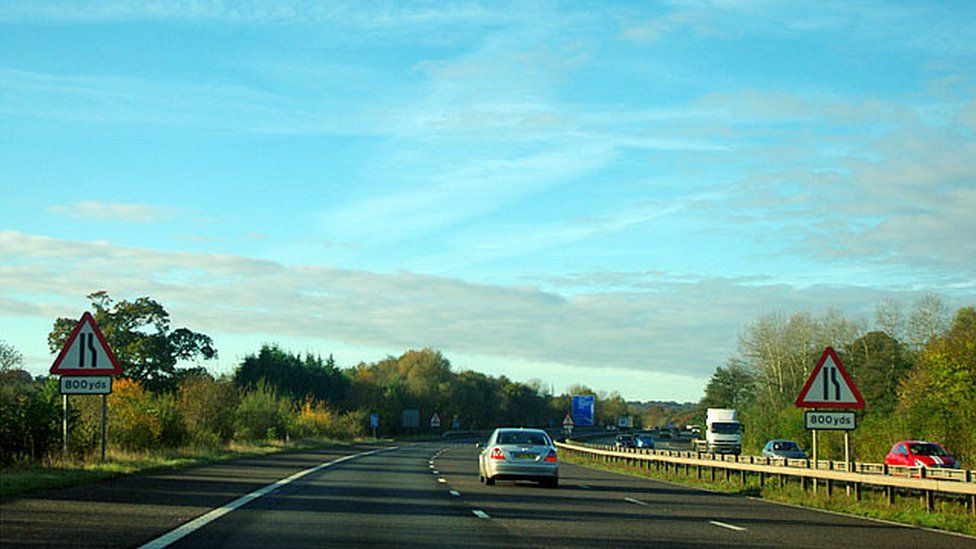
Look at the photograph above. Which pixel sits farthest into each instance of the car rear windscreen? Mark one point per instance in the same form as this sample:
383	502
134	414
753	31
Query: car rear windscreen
529	439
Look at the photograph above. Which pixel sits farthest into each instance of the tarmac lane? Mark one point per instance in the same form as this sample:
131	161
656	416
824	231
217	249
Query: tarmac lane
129	511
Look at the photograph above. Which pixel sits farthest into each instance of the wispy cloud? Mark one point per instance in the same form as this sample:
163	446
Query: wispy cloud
667	325
109	211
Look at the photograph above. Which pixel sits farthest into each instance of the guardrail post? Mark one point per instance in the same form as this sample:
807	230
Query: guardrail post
890	494
728	474
857	491
929	500
713	473
698	471
744	477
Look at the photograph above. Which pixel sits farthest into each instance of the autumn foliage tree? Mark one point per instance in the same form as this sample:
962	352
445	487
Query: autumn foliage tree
139	334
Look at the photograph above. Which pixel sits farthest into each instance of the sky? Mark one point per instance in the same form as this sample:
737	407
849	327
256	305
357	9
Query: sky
575	192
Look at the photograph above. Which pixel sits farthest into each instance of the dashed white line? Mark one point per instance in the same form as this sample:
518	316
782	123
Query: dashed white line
455	493
442	481
434	472
637	501
724	525
480	514
584	487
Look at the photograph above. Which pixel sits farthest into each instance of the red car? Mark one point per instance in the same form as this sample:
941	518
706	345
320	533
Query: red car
919	453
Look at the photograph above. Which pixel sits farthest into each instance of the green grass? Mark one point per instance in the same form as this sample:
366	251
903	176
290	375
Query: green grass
25	478
951	516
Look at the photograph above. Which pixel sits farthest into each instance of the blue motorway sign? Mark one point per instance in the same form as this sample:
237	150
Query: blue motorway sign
583	410
374	420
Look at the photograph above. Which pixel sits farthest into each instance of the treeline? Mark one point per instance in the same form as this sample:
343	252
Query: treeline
915	368
273	394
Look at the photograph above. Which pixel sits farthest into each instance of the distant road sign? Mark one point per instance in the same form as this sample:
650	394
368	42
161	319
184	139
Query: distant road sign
374	420
435	421
829	386
411	418
830	421
568	421
86	353
457	423
86	385
583	410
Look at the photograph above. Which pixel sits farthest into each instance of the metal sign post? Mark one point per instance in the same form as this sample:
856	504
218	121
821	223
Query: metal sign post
86	365
104	423
64	427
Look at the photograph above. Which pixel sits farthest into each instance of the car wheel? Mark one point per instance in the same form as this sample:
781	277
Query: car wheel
551	483
490	481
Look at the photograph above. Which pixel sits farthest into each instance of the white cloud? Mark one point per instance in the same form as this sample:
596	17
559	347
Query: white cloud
108	211
666	325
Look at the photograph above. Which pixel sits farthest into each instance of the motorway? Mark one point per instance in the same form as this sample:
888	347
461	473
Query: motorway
424	494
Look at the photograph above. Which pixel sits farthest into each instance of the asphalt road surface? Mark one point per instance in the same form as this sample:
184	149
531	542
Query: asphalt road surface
421	494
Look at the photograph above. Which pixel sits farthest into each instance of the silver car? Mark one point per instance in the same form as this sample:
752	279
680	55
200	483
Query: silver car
519	454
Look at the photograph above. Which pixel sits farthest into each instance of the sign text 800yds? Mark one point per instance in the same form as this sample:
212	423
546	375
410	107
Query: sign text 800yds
830	420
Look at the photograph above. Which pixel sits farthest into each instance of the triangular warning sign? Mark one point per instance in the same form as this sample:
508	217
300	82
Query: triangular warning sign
829	386
568	420
86	353
435	420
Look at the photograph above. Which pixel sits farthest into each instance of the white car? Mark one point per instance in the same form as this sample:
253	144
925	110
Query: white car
519	454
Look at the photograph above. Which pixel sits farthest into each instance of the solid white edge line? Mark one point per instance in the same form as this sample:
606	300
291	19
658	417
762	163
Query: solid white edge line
637	501
455	493
729	526
480	514
188	528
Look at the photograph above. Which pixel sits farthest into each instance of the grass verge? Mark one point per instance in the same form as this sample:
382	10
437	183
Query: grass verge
24	479
951	516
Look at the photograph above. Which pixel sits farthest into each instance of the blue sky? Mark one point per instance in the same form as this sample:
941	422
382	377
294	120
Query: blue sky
575	192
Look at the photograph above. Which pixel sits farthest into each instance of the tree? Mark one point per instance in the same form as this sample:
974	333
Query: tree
729	387
878	363
139	334
10	357
291	375
938	399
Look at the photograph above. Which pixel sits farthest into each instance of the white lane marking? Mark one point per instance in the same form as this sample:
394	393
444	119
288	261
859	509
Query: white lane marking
724	525
434	472
637	501
455	493
585	487
431	466
182	531
480	514
442	481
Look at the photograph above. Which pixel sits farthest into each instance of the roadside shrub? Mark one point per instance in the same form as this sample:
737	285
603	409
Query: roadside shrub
208	407
134	421
30	418
262	415
173	432
313	420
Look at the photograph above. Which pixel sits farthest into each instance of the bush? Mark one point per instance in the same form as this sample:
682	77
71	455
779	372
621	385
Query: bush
262	415
208	407
134	422
30	418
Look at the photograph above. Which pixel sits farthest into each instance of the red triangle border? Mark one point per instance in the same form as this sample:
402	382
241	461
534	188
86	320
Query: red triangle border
801	402
113	371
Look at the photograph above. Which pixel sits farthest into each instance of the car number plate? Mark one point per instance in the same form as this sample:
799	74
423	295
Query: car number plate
525	455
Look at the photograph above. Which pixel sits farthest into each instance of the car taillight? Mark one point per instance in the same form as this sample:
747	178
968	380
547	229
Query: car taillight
552	456
497	454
